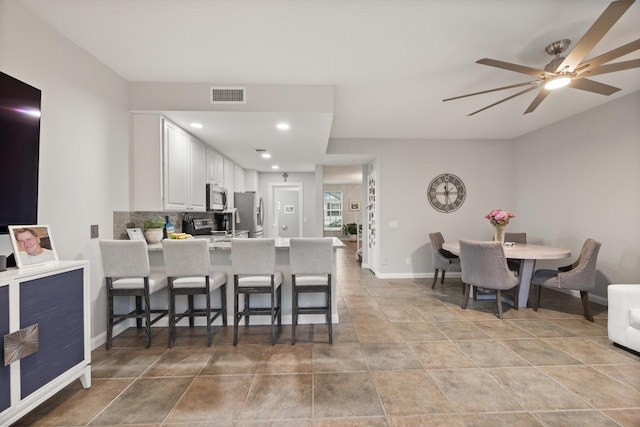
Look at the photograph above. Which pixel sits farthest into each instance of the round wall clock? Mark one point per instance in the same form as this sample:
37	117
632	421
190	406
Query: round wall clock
446	193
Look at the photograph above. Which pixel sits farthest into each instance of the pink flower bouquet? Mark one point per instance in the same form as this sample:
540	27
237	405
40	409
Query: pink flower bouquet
499	217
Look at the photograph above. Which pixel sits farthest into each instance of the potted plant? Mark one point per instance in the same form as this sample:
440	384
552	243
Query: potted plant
351	230
154	229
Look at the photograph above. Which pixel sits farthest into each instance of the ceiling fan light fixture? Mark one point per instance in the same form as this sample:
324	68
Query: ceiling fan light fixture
557	82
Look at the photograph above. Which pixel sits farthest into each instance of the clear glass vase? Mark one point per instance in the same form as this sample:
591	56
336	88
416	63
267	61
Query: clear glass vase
499	233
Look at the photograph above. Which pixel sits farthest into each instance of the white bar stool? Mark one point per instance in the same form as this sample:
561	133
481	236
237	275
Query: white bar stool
189	273
127	273
254	272
311	262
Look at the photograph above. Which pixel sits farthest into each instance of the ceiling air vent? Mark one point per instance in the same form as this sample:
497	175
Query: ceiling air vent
228	95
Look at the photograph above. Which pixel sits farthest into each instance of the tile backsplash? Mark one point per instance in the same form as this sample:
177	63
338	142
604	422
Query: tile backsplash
124	219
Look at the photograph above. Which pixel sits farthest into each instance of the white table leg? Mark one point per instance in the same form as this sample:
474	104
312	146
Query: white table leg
526	273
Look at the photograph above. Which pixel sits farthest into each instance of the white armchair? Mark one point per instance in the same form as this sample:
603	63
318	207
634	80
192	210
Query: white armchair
624	315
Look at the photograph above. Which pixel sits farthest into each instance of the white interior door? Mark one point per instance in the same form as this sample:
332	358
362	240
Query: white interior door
286	202
287	211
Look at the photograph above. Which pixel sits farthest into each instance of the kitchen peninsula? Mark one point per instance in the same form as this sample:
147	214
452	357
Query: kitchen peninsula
220	252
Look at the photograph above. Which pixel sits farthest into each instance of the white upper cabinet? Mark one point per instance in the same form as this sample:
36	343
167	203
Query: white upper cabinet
176	168
238	179
215	167
198	174
251	180
229	172
169	167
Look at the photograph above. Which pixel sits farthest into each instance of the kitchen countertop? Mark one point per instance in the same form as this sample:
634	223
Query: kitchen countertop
281	243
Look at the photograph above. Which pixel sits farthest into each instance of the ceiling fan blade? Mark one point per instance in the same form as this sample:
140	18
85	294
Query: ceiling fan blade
609	56
537	100
503	100
618	66
535	72
603	24
593	86
491	90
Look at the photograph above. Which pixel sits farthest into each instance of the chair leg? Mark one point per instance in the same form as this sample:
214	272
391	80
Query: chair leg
223	302
516	297
279	291
191	308
147	318
207	296
246	306
537	290
584	295
172	319
442	278
294	310
273	314
435	279
109	319
499	302
235	311
329	315
466	296
139	312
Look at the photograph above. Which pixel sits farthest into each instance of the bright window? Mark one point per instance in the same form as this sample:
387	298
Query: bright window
333	210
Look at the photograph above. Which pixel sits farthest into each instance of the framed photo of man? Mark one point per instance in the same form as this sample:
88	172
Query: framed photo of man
32	245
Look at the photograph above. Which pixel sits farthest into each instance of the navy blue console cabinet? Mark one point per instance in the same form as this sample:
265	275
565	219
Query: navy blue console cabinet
45	320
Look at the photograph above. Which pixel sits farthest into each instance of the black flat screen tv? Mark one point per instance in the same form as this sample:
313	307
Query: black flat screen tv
19	151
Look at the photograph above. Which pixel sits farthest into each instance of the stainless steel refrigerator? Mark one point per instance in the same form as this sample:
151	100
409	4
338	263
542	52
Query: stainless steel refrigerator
250	212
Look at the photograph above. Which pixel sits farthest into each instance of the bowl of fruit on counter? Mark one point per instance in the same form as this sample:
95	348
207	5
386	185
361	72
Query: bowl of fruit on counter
180	236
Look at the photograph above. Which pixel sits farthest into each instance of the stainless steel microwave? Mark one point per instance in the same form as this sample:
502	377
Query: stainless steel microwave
216	198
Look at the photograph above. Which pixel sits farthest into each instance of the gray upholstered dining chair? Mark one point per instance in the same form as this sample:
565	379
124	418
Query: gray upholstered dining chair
579	276
311	263
442	260
485	266
254	272
514	264
128	274
189	273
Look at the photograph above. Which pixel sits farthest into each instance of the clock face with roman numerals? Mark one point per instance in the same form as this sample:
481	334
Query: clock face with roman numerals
446	193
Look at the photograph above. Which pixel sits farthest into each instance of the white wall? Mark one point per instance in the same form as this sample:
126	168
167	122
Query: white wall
404	172
580	178
84	139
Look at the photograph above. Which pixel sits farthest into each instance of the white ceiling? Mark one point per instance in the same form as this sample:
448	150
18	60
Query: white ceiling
390	63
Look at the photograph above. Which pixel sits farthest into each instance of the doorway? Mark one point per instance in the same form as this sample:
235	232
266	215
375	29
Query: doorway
286	209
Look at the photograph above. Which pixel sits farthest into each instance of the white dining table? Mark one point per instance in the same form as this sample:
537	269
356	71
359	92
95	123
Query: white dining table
528	253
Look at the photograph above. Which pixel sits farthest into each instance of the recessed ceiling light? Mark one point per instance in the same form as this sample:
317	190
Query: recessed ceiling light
266	155
275	167
283	126
197	125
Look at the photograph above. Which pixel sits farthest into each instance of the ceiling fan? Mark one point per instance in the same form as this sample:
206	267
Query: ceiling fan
572	70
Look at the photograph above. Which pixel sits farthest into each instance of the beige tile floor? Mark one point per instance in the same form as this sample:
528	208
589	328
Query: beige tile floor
403	355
